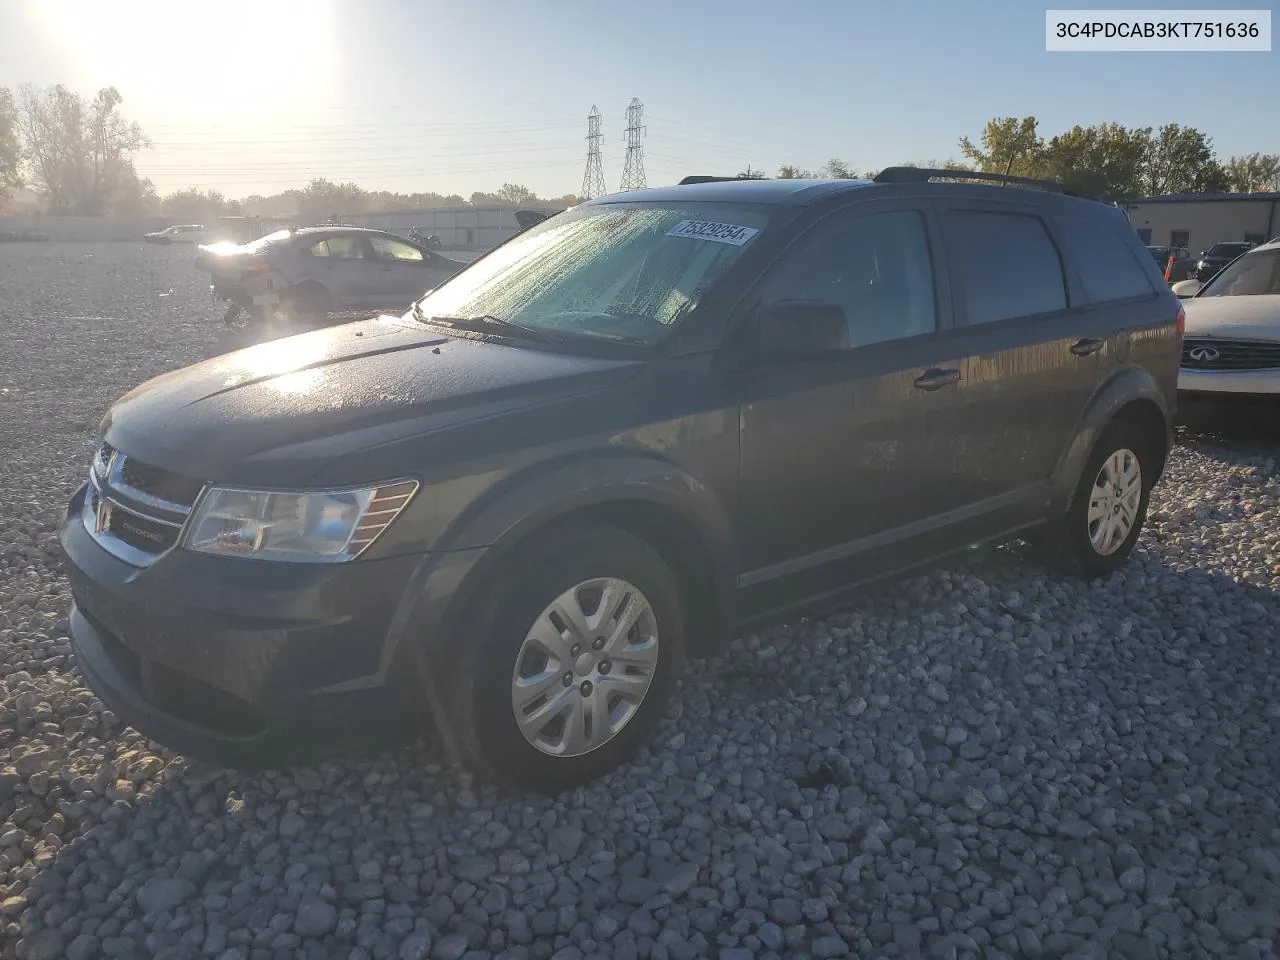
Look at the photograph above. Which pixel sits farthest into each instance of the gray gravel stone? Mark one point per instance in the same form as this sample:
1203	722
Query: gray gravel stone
314	918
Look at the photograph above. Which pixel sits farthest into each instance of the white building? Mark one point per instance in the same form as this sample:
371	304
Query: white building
1198	221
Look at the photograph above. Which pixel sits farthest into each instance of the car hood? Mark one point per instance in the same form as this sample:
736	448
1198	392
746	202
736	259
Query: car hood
275	413
1248	318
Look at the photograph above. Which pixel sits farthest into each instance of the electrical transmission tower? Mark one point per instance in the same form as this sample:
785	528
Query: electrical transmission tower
593	179
633	168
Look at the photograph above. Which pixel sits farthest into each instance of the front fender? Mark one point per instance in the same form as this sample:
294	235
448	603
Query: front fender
1123	387
530	500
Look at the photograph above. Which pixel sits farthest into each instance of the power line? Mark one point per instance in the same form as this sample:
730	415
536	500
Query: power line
593	177
633	169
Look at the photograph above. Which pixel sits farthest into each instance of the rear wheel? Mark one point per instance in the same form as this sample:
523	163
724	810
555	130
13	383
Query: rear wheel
306	303
573	667
1101	528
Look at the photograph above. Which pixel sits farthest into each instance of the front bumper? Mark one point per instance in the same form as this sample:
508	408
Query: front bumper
245	663
1253	382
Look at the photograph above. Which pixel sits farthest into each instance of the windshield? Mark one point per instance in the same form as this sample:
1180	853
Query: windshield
1227	249
615	271
1250	276
1160	253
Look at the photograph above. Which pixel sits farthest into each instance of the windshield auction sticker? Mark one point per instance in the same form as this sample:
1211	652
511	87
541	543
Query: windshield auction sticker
715	232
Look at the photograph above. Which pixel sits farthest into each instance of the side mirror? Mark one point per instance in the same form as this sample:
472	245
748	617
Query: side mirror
1186	288
800	329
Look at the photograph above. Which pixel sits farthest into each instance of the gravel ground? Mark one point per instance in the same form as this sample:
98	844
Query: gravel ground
984	762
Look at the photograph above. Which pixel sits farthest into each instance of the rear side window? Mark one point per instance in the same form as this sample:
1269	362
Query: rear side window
385	248
1009	266
1107	265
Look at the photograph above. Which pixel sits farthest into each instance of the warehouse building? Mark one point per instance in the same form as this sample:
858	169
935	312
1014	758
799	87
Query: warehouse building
459	228
1198	221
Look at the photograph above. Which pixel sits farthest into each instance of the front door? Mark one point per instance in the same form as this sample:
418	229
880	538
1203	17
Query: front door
836	455
404	272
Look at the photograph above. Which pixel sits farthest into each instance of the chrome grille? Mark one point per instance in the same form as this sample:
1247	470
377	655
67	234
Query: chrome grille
162	484
134	510
1202	353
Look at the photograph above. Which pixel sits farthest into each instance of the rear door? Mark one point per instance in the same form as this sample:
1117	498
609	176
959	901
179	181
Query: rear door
404	271
1033	346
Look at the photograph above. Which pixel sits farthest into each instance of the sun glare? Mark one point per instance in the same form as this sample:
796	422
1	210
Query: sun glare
218	61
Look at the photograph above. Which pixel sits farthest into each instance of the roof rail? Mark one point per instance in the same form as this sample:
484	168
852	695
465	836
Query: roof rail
701	179
923	175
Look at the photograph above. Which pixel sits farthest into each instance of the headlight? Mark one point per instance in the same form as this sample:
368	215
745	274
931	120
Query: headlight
317	527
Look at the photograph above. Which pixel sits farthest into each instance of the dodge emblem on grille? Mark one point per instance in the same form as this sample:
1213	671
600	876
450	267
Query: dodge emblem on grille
103	516
1204	354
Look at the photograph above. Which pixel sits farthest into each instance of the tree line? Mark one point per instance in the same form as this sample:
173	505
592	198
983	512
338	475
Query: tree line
78	154
1106	160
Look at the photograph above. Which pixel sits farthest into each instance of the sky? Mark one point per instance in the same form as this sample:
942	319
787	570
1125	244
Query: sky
256	96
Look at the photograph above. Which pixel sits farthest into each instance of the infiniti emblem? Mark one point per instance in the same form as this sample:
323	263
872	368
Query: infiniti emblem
1204	354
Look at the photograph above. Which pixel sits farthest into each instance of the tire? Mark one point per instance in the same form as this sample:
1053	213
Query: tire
307	302
479	682
1090	546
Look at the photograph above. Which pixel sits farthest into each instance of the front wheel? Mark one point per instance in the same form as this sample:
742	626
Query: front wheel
1101	528
571	671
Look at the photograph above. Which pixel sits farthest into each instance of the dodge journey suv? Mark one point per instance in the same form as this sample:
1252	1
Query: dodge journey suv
611	442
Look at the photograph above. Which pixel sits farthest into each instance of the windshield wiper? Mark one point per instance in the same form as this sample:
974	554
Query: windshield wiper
487	323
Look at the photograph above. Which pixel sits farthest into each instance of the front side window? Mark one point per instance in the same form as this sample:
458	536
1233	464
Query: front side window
345	248
384	248
614	271
1008	265
876	267
1254	275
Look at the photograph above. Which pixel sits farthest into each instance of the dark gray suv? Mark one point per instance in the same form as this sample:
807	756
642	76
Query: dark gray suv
626	433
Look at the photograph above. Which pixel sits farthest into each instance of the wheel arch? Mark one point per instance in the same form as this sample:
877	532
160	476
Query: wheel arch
649	498
1131	394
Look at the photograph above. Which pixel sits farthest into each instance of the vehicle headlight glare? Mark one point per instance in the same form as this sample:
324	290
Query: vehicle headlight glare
328	526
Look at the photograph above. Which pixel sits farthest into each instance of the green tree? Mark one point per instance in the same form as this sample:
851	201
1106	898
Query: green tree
836	169
10	149
79	151
516	194
193	205
1255	173
134	197
1008	145
1105	160
1180	160
788	172
323	199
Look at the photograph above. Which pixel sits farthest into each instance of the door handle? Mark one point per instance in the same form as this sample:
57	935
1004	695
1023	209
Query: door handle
934	379
1086	346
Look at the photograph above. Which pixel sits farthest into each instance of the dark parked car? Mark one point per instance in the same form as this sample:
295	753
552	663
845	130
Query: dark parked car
1183	266
314	271
639	426
1217	257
